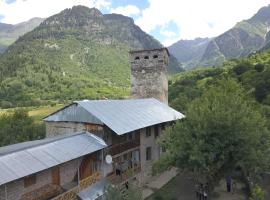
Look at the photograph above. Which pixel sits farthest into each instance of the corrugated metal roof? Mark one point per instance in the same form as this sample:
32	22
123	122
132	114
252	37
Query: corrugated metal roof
94	191
20	160
73	113
123	116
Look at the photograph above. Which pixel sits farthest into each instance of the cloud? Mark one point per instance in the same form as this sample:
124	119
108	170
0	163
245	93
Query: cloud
23	10
168	20
168	33
196	18
129	10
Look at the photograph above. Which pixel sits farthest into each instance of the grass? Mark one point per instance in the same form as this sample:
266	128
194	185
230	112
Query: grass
178	188
38	113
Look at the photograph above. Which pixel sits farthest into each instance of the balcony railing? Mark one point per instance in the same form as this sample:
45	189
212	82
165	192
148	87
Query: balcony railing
124	176
122	147
72	193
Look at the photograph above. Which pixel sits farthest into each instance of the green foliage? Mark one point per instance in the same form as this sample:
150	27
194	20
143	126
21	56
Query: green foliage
19	127
242	67
253	73
113	193
257	193
85	55
132	193
223	130
259	67
34	74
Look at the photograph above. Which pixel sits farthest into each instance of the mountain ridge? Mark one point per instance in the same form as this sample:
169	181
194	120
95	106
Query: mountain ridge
9	33
246	37
76	54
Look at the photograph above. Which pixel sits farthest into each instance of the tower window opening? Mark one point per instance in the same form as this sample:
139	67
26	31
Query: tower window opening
146	57
155	56
137	58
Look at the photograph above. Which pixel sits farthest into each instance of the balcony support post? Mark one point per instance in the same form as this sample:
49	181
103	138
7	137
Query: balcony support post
6	192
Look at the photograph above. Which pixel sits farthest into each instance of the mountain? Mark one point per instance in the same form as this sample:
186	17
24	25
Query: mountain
76	54
252	73
244	38
9	33
189	52
267	41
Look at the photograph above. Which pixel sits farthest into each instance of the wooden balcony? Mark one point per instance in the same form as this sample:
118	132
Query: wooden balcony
122	147
72	193
125	176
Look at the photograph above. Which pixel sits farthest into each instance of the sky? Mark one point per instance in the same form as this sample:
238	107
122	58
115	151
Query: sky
167	20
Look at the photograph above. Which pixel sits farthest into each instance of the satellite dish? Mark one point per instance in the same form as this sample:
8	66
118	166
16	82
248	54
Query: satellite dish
108	159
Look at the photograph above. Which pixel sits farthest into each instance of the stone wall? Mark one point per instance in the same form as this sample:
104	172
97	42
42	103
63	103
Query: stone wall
69	170
149	74
61	128
16	188
150	141
2	192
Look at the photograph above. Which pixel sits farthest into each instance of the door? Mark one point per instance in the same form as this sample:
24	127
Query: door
86	167
55	176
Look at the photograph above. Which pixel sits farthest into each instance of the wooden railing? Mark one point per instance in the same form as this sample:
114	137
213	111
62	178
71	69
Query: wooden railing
90	180
129	173
122	147
72	194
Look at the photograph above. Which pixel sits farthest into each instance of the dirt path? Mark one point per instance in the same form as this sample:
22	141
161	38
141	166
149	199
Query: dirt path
238	193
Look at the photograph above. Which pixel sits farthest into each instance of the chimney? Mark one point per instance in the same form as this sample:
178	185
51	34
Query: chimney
149	74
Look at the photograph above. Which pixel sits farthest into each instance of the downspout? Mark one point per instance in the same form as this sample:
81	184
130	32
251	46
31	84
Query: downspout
6	191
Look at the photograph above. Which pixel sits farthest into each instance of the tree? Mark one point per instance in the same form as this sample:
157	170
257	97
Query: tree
19	127
113	193
223	130
257	193
133	192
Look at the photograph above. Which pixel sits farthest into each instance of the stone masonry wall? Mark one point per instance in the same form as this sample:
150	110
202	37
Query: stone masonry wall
145	142
149	74
2	192
69	170
16	188
60	128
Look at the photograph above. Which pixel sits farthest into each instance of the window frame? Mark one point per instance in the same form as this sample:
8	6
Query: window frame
148	131
156	131
148	153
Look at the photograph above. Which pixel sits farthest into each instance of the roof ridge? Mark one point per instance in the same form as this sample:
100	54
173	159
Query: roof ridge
49	140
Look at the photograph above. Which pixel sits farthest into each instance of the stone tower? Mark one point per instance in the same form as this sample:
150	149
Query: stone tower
149	74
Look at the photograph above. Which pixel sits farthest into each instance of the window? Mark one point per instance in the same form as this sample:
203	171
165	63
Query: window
148	131
163	149
148	153
156	131
129	136
137	58
29	180
146	57
155	56
137	134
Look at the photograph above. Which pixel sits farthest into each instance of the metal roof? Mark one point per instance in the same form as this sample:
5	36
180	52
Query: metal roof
73	113
94	191
23	159
123	116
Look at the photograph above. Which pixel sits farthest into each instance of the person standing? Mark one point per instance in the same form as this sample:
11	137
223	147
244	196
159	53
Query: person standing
229	183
